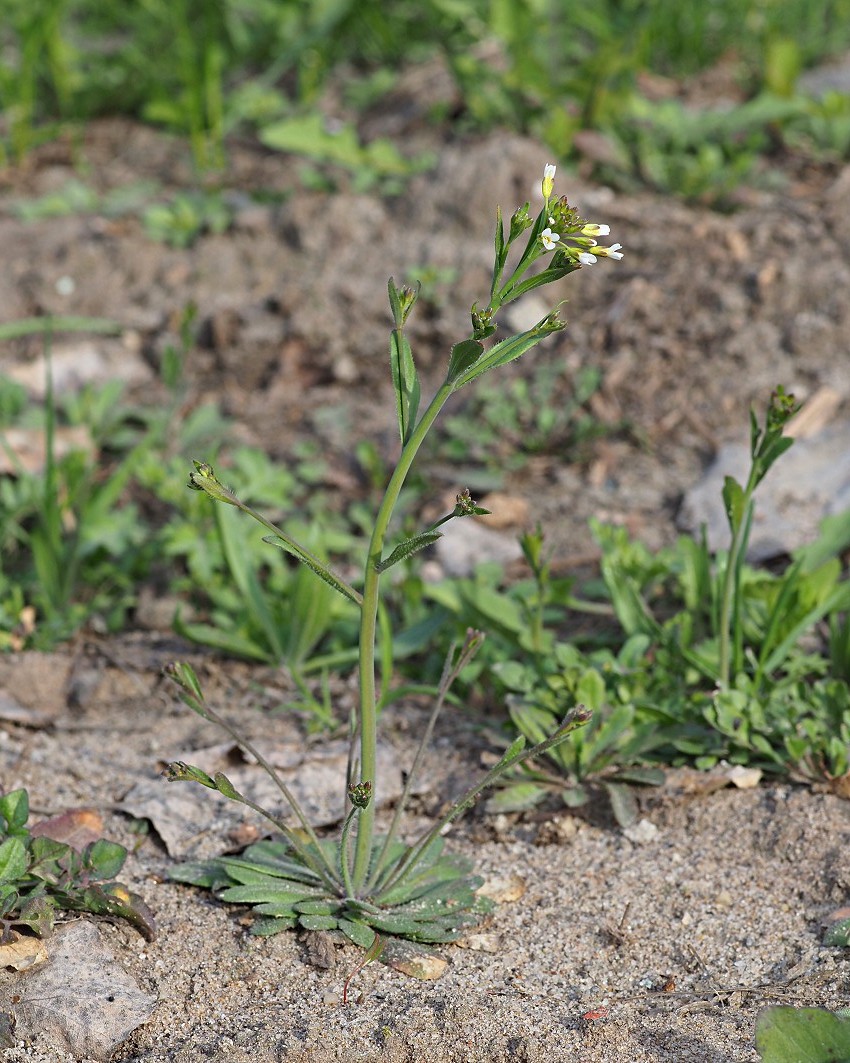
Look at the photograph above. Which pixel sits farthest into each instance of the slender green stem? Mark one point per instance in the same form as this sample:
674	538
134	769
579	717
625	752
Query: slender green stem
729	593
293	839
455	663
415	852
301	551
344	865
368	628
291	800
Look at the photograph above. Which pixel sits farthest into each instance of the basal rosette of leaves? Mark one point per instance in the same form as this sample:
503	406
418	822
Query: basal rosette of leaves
435	905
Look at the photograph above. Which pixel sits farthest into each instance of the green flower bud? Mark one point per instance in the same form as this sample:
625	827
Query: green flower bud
204	479
360	794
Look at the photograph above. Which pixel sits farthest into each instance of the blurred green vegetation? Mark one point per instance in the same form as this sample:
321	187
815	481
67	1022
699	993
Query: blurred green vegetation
205	68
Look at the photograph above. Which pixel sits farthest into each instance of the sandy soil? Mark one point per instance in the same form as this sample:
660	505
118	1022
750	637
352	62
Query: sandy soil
664	949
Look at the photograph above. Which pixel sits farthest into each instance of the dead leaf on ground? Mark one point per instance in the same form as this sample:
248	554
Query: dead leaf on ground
77	827
480	942
320	948
690	782
82	1001
23	952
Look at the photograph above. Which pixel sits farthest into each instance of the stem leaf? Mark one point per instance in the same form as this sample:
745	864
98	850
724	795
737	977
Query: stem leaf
408	547
314	566
405	383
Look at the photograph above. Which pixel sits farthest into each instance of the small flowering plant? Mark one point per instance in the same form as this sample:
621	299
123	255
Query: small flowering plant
391	897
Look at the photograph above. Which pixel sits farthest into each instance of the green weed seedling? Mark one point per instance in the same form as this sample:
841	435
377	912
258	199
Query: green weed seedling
67	545
74	543
374	887
609	755
40	876
180	221
378	161
731	663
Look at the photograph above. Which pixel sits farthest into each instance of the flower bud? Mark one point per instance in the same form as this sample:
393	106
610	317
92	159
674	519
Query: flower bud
360	794
548	179
204	479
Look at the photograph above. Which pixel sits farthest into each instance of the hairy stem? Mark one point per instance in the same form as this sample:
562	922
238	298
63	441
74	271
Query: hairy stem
368	627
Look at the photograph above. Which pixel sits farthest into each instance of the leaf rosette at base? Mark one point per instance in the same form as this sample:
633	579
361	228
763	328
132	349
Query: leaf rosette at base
434	904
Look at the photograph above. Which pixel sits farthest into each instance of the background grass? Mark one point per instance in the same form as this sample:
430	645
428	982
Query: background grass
556	69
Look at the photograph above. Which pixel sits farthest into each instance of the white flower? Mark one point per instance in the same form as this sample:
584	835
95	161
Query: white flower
610	252
592	229
586	258
549	239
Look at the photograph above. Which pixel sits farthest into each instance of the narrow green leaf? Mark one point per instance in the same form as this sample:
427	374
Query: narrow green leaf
833	540
838	935
516	798
395	303
318	922
229	642
359	933
407	548
207	874
733	502
267	927
623	803
642	776
498	355
279	909
317	906
258	893
225	787
575	796
405	383
314	566
231	536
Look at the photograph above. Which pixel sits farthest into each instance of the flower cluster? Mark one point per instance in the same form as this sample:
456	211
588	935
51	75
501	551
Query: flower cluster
567	233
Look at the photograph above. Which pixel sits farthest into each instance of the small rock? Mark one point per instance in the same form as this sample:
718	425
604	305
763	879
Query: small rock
480	942
506	511
503	889
809	482
642	833
744	778
467	543
557	831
